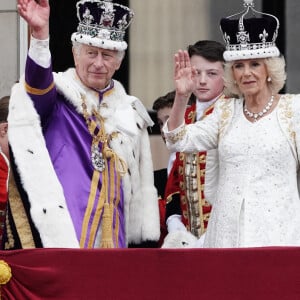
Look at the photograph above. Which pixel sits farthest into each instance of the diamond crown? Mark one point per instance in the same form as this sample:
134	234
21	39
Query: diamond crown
103	19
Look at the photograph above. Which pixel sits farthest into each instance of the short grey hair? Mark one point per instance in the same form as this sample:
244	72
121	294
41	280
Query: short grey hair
275	69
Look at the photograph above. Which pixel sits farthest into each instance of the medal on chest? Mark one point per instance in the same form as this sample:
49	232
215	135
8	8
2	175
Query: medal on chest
98	161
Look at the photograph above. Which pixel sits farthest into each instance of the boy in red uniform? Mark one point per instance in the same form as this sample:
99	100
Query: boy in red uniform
192	179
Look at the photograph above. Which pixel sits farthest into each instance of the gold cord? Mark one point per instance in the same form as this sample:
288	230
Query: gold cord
105	204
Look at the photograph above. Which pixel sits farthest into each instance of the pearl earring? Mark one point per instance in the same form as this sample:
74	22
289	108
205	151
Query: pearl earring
269	79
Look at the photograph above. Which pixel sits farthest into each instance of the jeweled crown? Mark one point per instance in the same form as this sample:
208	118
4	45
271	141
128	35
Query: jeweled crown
250	37
102	24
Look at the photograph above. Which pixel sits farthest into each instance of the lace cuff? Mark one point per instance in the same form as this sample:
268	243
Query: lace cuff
175	135
39	52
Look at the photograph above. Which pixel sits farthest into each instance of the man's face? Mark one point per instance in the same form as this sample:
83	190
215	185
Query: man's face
210	83
96	66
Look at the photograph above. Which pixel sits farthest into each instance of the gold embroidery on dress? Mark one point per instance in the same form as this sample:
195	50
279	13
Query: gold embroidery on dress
225	114
286	114
19	217
174	138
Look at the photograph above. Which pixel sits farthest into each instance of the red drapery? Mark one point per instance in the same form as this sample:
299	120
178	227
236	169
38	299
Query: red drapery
251	273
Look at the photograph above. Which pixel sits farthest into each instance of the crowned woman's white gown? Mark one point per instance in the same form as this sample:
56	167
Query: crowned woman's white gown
257	202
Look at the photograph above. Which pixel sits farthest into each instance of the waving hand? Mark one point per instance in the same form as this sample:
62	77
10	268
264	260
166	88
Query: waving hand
184	74
36	14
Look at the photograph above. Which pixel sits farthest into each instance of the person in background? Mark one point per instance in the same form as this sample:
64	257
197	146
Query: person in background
4	103
162	106
193	176
4	166
86	173
257	136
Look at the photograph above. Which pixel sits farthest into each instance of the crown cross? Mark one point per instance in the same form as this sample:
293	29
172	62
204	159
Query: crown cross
243	38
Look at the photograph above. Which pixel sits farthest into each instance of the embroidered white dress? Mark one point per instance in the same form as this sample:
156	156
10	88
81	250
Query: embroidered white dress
257	202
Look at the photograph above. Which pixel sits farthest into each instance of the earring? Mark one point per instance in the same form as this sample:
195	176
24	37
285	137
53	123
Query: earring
269	79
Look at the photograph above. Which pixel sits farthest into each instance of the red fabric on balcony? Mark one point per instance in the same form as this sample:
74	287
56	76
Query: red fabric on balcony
3	193
257	273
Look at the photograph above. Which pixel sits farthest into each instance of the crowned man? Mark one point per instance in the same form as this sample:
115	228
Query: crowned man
79	142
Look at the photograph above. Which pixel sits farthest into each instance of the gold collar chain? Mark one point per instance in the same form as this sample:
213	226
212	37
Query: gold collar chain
95	123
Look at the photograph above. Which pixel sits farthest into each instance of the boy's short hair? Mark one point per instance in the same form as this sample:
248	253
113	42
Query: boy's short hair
164	101
210	50
4	102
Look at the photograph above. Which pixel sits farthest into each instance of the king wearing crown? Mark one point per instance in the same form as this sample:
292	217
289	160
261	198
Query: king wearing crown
81	155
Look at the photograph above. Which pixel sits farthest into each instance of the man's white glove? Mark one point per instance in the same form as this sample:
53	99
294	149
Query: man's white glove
174	224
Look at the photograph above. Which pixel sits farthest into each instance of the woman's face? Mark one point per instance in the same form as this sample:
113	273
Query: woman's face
250	75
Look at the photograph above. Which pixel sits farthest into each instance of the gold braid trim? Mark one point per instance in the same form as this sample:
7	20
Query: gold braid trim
105	206
106	238
99	209
170	197
89	208
200	174
107	219
19	217
118	197
174	138
39	92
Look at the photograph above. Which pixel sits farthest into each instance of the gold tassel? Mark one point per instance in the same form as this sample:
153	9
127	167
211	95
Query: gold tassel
106	239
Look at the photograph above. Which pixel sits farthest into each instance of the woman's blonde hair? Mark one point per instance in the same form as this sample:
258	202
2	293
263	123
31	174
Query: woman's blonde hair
276	71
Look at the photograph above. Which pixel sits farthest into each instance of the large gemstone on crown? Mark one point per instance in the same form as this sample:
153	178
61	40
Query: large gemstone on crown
104	34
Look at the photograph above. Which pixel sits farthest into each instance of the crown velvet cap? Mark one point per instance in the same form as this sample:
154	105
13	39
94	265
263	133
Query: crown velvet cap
102	24
249	38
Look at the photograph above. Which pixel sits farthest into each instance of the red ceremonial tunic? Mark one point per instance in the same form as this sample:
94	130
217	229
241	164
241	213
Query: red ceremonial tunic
184	192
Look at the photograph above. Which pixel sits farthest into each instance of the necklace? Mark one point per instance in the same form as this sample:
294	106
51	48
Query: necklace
260	114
